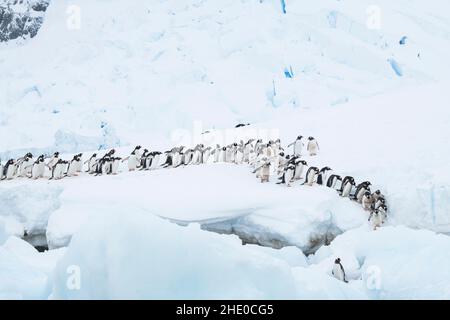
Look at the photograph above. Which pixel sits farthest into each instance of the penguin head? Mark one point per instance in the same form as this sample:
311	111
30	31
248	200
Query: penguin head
29	155
367	194
137	148
337	261
377	192
281	154
304	162
94	155
310	138
56	154
299	137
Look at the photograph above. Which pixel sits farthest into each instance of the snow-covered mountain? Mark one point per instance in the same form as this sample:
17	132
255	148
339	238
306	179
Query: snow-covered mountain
370	82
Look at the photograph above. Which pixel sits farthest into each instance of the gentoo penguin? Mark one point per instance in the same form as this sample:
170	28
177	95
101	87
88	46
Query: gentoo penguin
53	160
312	146
156	155
379	202
91	163
299	167
298	146
367	201
25	165
138	152
206	153
311	175
376	219
143	159
333	181
133	160
239	156
197	156
377	194
103	165
265	172
38	168
9	170
361	189
59	169
382	209
282	163
258	146
338	270
288	175
322	176
74	165
223	154
115	162
169	161
248	146
347	185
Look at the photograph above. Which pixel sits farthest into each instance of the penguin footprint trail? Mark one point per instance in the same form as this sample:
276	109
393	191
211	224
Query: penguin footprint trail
267	160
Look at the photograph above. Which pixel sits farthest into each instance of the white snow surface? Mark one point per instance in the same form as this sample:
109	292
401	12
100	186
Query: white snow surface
145	72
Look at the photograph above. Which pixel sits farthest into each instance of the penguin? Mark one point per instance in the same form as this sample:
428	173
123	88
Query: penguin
288	175
1	170
138	152
59	169
206	153
258	146
248	146
239	156
298	146
197	154
156	155
380	201
9	170
25	164
382	209
333	181
367	201
361	190
142	159
133	160
375	219
74	165
377	194
38	168
103	165
312	147
346	187
322	176
223	154
115	163
53	160
265	172
168	162
91	163
299	167
311	175
338	270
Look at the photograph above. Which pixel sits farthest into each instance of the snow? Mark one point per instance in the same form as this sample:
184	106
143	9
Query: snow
377	107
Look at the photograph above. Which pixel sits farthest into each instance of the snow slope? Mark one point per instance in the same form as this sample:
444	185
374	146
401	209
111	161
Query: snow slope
376	100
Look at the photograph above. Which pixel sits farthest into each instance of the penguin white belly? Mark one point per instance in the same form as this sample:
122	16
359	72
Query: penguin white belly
38	170
72	169
10	172
312	148
239	157
206	156
376	221
91	165
338	273
298	148
25	168
155	161
298	172
132	162
115	167
347	189
288	176
78	166
310	178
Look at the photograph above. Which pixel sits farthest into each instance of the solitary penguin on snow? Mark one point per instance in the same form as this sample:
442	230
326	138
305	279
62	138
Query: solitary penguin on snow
311	175
338	270
312	146
298	145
